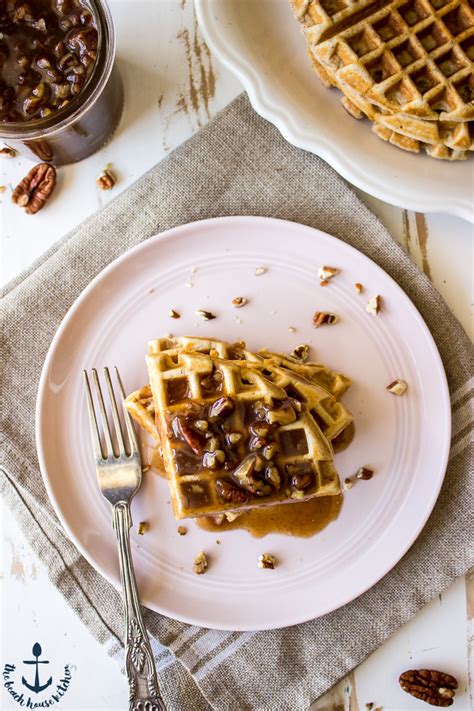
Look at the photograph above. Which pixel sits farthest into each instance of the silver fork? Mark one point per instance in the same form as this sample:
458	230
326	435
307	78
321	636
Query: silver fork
120	477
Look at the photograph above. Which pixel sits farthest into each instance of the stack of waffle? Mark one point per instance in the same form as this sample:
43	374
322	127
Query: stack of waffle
239	430
407	65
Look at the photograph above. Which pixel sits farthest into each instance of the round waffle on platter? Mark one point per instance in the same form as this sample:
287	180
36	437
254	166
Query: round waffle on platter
404	64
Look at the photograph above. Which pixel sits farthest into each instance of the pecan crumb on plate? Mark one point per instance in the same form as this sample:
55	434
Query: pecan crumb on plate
364	473
143	527
300	352
374	305
239	301
206	315
260	270
321	317
358	287
266	560
182	530
325	273
398	387
200	563
174	314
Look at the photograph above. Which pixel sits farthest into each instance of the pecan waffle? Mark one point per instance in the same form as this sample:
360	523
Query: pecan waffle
140	403
405	64
231	439
449	140
239	430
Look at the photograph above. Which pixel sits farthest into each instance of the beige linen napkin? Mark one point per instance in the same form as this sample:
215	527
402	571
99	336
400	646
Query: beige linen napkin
238	164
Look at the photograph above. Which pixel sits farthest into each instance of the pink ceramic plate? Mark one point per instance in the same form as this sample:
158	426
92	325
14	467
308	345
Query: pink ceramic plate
404	439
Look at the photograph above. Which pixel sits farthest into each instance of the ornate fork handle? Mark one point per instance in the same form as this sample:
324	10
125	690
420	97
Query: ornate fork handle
139	662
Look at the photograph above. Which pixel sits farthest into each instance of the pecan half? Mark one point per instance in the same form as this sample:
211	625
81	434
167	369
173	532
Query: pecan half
230	492
189	434
35	188
434	687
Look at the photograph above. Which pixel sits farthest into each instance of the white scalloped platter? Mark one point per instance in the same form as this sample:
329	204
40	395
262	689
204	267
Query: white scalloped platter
128	304
262	44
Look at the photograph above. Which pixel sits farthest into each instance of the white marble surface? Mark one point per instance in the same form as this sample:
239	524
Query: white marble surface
173	86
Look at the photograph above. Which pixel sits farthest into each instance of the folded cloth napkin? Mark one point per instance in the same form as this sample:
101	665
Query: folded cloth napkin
237	164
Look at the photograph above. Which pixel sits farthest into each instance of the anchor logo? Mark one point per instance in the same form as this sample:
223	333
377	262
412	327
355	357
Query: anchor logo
36	687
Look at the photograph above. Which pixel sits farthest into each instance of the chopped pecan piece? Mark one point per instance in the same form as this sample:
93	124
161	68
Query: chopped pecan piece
143	527
200	563
282	415
201	425
259	271
173	314
301	352
244	476
106	180
364	473
348	484
182	530
230	492
206	315
358	287
267	560
301	480
222	406
321	317
272	475
325	273
232	515
398	387
434	687
35	188
239	301
374	305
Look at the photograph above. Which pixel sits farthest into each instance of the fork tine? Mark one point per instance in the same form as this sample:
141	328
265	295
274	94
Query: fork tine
132	438
105	422
93	419
115	414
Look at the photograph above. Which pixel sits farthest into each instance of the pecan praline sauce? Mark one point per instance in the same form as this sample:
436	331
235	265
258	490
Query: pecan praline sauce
48	49
61	96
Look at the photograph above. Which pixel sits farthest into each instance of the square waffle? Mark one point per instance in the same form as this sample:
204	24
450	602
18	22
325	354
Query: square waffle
239	430
231	439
